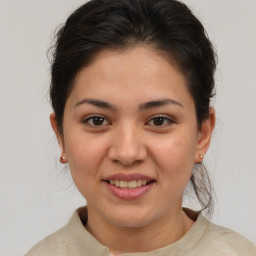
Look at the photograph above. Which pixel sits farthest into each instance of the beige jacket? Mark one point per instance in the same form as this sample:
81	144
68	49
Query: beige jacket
203	239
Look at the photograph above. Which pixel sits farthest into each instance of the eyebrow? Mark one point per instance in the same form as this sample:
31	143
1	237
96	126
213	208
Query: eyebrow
159	103
96	103
144	106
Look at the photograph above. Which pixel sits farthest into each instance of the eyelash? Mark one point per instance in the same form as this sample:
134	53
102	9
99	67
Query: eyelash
104	122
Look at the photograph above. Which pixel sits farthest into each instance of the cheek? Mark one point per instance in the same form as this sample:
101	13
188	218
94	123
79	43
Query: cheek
175	155
175	169
85	153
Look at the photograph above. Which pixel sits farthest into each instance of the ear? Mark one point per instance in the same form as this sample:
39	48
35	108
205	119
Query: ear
204	136
58	136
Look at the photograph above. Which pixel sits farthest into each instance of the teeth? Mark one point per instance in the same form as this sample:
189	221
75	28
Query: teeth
128	184
132	184
139	183
123	184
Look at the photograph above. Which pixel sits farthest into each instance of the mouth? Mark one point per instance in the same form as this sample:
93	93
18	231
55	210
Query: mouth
132	184
129	186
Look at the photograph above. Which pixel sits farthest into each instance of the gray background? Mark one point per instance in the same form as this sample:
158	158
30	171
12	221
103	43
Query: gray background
37	196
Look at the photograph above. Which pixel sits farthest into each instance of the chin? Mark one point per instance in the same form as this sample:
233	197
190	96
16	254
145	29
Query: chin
131	218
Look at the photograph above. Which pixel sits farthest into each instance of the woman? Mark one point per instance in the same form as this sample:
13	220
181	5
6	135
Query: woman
131	87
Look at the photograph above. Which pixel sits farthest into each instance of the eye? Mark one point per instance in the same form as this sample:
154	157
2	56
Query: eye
96	121
160	121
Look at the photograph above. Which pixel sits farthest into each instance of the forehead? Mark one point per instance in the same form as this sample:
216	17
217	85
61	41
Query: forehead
140	58
136	72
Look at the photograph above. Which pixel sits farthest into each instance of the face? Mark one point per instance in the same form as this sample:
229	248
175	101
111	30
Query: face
130	136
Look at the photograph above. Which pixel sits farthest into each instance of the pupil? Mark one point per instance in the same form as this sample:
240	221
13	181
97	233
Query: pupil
158	121
98	120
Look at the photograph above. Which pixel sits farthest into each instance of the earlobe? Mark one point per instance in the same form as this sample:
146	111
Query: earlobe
204	137
63	158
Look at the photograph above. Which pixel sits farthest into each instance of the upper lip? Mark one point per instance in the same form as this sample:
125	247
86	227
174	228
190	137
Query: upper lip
128	177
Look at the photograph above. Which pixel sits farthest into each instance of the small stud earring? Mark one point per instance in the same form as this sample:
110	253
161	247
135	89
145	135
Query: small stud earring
201	156
63	159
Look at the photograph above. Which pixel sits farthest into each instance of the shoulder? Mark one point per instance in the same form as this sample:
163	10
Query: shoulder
61	242
226	242
72	239
57	244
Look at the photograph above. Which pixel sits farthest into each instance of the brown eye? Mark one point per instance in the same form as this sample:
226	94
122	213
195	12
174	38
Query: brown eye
97	121
160	121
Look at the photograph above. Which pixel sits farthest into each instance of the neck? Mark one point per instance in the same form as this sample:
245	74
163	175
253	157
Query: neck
160	233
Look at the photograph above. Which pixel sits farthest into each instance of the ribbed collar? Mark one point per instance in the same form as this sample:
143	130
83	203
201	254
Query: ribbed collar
84	243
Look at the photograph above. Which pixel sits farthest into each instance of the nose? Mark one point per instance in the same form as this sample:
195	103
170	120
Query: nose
127	146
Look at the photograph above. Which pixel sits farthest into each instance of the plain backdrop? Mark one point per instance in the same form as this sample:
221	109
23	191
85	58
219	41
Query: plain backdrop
37	195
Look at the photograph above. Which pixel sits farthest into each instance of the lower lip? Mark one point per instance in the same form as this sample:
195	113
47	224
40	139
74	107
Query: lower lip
129	194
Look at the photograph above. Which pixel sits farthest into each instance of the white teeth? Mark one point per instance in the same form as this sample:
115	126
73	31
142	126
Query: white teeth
132	184
139	183
144	182
128	184
123	184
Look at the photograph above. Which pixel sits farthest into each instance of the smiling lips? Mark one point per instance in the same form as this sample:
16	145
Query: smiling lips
128	186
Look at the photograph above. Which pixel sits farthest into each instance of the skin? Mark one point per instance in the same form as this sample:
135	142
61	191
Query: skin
129	141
